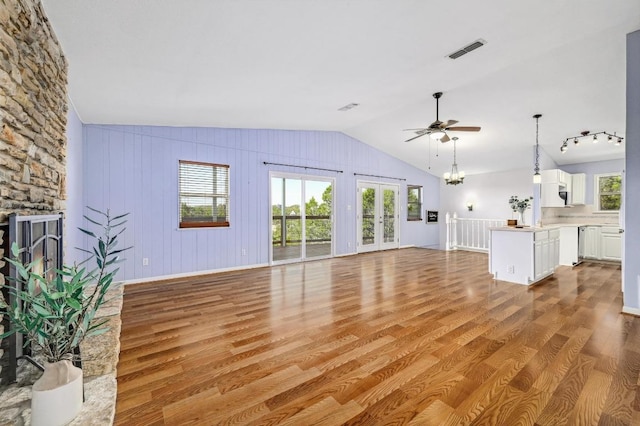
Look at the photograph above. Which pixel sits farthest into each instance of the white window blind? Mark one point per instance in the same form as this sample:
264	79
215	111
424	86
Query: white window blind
204	194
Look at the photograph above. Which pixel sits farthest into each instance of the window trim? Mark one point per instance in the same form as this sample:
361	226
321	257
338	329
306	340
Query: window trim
210	224
596	192
419	203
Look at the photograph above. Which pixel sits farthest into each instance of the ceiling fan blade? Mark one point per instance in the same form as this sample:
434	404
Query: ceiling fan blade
464	129
415	137
415	130
445	138
448	124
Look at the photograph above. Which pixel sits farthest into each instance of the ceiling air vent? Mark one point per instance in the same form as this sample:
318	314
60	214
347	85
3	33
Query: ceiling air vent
467	49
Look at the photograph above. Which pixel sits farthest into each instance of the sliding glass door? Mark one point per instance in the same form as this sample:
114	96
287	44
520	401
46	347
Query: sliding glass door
301	218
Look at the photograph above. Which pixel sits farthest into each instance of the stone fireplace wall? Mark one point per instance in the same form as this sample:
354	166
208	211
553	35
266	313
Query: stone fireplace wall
33	115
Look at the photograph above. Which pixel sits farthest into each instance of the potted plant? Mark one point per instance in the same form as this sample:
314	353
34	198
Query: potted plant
518	205
55	315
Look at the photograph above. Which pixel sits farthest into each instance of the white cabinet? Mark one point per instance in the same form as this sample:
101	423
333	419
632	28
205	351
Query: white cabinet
546	253
578	189
523	256
554	182
603	243
569	245
610	243
592	242
556	176
550	195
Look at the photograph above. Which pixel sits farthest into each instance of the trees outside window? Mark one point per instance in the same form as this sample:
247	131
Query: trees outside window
608	188
203	194
414	202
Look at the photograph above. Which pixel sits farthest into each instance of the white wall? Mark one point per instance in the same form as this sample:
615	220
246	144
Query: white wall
490	193
631	237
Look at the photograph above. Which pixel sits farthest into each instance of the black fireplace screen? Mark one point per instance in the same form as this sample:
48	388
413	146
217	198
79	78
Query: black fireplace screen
38	237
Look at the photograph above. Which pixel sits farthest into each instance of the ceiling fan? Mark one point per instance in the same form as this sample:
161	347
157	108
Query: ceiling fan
438	129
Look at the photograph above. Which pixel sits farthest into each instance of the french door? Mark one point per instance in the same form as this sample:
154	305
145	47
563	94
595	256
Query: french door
377	218
301	218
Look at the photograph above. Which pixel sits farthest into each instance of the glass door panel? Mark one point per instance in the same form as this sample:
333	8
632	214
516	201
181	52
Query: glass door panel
300	230
286	229
318	218
389	216
368	214
377	217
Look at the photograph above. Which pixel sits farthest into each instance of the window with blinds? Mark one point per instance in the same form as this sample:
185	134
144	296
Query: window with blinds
204	194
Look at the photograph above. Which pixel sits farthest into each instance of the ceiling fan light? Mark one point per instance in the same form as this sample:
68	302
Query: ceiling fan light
438	134
576	141
619	141
609	138
595	138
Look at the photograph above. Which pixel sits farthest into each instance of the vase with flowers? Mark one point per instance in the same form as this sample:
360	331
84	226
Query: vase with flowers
520	205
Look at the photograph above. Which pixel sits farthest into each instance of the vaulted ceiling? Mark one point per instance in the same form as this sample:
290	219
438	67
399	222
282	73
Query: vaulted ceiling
291	64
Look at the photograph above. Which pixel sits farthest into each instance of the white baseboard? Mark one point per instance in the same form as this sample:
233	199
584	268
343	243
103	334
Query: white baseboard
632	311
193	274
345	254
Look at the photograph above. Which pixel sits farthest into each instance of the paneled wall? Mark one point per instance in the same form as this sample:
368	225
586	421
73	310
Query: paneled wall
135	169
631	206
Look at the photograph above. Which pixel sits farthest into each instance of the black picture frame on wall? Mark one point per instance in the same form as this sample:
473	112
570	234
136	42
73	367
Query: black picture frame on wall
432	216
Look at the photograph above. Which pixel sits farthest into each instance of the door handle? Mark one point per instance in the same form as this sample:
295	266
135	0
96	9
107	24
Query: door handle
620	231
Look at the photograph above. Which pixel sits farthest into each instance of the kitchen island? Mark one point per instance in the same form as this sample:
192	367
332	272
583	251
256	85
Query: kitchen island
523	255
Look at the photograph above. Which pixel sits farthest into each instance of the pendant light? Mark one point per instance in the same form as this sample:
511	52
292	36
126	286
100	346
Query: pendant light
537	178
454	177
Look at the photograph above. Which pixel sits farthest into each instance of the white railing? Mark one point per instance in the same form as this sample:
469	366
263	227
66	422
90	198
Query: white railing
469	234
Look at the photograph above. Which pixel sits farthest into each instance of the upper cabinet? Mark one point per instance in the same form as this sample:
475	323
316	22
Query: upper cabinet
578	188
553	192
556	176
560	188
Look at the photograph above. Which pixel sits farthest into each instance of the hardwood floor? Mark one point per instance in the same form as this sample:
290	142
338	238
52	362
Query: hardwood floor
410	336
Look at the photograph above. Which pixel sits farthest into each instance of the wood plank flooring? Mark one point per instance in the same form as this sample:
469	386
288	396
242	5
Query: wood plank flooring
412	336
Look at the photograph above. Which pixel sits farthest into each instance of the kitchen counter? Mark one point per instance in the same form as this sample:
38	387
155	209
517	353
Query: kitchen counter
526	228
523	255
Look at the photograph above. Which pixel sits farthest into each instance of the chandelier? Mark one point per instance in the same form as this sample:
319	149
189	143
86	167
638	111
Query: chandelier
454	177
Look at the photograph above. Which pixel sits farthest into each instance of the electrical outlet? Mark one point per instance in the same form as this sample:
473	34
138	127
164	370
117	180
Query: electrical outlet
145	261
244	252
511	269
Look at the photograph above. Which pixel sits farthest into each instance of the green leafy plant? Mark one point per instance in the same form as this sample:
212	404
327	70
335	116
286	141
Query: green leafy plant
56	314
518	205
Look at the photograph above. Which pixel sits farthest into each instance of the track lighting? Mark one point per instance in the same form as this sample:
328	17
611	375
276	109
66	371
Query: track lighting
576	139
564	147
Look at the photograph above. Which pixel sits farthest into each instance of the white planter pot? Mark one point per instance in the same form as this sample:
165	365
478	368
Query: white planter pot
56	396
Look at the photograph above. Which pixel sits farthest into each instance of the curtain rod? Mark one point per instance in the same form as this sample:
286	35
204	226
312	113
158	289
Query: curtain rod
302	167
378	176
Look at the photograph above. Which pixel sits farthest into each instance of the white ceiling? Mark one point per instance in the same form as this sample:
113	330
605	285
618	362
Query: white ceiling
290	64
